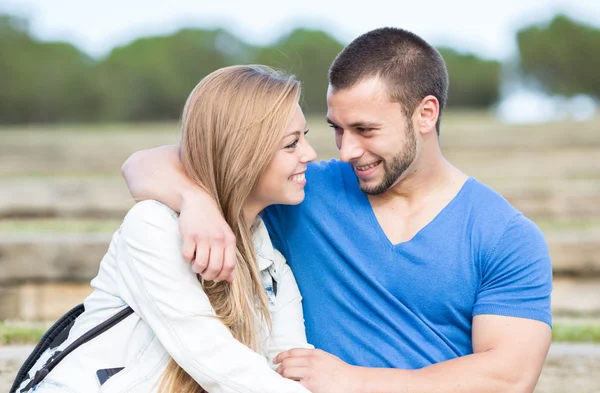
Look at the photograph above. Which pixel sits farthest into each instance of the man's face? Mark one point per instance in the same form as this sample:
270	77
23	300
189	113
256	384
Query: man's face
372	133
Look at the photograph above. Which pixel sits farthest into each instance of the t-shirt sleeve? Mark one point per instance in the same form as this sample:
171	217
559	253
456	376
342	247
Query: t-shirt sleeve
517	274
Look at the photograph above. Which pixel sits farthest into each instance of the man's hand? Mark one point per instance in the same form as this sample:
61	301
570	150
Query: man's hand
208	242
210	248
318	371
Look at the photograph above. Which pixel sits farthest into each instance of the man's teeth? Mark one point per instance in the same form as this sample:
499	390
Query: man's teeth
364	168
299	177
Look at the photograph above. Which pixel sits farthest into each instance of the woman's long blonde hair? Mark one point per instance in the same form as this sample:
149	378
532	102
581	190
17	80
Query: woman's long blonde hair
232	125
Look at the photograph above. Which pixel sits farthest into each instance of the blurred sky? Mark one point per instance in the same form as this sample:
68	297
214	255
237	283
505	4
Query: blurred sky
487	28
484	27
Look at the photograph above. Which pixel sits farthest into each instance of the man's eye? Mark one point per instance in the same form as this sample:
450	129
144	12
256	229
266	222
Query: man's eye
363	129
292	145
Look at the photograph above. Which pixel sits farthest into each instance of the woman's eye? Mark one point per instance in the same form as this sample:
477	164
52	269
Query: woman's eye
292	145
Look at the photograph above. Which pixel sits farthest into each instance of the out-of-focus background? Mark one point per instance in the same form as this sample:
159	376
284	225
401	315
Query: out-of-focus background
85	84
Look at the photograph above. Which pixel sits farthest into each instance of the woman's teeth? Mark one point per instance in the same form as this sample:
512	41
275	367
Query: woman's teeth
364	168
299	177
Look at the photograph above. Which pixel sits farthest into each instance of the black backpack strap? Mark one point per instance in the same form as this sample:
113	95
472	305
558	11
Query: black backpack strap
45	342
87	336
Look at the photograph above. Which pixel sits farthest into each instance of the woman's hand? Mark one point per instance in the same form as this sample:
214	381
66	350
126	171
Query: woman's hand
318	371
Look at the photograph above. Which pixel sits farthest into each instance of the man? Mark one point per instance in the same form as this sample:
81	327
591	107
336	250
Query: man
409	268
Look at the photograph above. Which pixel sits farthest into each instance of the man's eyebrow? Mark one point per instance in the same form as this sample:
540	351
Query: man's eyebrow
365	124
358	124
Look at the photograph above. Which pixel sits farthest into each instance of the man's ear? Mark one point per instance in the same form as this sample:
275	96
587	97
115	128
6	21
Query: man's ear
427	114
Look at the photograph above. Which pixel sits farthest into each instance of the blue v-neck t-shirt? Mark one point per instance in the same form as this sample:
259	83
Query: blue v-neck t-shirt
407	305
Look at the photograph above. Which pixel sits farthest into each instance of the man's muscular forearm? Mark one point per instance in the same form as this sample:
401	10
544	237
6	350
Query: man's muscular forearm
508	357
487	372
158	174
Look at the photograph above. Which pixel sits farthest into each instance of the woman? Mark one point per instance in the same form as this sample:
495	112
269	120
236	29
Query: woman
243	141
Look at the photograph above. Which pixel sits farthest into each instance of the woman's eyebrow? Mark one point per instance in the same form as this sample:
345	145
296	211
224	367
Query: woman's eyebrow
297	132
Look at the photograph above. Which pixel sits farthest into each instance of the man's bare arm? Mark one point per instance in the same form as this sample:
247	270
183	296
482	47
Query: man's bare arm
158	174
508	357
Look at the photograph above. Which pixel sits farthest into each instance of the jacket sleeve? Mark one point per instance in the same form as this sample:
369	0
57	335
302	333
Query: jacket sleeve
287	329
162	289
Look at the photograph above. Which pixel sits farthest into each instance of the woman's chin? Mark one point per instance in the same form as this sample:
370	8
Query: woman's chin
293	199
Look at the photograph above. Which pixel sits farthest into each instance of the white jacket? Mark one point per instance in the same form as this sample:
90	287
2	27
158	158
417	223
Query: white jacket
144	269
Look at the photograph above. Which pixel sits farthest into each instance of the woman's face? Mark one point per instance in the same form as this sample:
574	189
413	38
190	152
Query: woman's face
283	181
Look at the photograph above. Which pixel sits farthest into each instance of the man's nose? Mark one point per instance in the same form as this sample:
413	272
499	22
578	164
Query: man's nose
350	147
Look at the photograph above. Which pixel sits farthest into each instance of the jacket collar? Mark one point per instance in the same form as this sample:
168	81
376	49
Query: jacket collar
263	246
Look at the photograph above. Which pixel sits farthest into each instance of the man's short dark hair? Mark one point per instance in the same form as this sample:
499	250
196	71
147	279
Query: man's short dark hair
410	67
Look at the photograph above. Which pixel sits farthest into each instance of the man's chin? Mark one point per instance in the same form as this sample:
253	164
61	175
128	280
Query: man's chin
371	188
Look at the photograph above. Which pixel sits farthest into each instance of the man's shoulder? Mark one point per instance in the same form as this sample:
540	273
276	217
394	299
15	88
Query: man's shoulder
496	217
487	201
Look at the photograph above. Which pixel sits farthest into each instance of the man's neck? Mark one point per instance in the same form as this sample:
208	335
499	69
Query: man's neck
430	175
416	199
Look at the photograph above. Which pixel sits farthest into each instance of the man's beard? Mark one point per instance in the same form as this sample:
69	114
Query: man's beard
397	167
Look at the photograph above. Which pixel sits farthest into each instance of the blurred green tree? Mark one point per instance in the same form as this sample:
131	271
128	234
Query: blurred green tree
151	78
563	56
308	55
474	82
42	82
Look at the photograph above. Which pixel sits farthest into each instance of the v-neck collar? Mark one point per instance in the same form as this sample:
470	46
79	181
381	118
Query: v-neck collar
375	223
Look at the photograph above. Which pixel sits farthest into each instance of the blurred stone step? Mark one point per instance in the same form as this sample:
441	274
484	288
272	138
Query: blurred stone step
75	256
486	132
109	198
575	253
470	140
42	257
550	204
576	297
64	197
569	368
78	149
43	275
526	162
42	301
46	301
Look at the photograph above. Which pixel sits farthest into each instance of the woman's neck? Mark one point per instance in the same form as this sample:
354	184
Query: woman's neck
251	212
